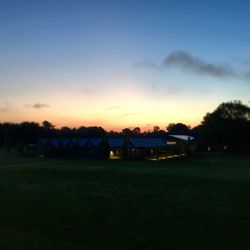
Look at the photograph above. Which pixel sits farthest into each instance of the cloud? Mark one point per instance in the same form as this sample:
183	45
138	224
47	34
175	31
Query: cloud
6	107
129	114
189	63
3	110
38	105
196	65
114	107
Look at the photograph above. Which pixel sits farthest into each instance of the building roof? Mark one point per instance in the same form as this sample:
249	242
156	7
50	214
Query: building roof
183	137
116	142
67	142
93	142
146	142
55	142
82	142
112	142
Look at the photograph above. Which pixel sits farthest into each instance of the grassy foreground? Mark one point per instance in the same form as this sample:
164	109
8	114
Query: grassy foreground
199	203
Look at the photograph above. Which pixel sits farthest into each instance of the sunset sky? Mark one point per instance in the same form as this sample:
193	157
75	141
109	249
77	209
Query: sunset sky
121	63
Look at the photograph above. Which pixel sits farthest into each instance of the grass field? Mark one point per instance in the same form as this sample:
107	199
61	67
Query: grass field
199	203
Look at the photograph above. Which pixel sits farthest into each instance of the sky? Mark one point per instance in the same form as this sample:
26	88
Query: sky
122	63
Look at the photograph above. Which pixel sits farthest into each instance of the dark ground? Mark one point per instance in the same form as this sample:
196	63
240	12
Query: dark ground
197	203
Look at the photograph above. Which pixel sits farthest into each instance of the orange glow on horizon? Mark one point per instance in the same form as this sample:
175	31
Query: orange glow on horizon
119	108
117	127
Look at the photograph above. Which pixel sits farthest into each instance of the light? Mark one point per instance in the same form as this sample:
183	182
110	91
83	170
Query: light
114	155
171	142
111	154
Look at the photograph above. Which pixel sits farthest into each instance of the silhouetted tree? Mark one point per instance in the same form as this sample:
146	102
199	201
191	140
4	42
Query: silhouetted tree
178	128
81	132
228	126
66	132
156	129
112	133
47	125
49	129
127	132
96	132
29	132
90	132
136	131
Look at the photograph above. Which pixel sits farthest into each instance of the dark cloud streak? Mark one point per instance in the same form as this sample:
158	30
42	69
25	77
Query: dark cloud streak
38	105
114	107
188	62
3	110
129	114
6	107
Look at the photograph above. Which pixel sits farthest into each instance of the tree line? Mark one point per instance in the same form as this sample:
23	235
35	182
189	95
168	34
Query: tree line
227	127
17	134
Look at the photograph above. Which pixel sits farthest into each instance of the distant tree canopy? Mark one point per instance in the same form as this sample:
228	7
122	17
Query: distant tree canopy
47	125
12	134
136	130
230	111
127	132
178	128
227	125
156	129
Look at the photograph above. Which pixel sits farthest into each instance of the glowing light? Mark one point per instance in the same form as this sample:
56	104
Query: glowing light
111	154
114	155
171	142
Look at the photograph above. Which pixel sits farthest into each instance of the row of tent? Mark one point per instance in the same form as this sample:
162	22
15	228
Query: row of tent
112	148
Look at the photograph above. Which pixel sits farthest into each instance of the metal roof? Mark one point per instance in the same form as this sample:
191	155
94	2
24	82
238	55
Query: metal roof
55	142
146	142
112	142
67	142
93	142
116	142
183	137
82	142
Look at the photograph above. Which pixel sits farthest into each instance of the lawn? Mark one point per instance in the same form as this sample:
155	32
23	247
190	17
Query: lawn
197	203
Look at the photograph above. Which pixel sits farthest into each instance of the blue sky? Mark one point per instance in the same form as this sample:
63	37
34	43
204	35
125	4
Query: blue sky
121	63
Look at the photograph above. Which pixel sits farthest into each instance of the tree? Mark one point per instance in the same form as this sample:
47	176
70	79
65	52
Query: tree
234	111
90	132
178	128
29	132
47	125
136	130
127	132
156	129
49	130
227	126
95	131
66	132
